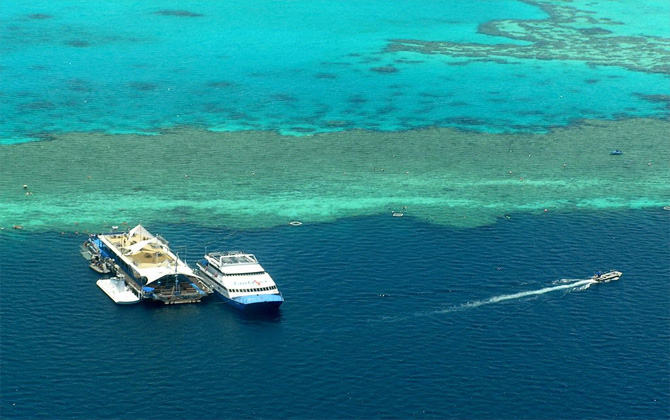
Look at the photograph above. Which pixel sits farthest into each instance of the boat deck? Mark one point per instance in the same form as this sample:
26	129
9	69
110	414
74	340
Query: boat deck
142	250
167	294
152	269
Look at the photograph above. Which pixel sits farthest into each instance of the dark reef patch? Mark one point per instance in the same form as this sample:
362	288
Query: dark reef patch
283	97
213	108
40	16
337	123
42	136
220	85
143	86
405	61
357	99
529	113
661	99
38	106
79	85
78	43
178	13
334	63
465	121
369	60
594	31
26	94
434	95
304	130
389	109
325	76
458	63
239	116
385	69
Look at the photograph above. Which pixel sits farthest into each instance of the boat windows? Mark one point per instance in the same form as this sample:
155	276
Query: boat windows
238	259
253	290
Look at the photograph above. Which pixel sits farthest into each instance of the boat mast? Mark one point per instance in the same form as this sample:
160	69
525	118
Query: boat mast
176	276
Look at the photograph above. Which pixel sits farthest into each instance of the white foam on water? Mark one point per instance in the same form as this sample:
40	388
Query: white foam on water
571	285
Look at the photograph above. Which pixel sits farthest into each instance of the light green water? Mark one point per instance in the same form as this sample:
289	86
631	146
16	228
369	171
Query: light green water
260	179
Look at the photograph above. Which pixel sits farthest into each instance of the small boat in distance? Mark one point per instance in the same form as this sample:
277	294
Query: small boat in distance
611	275
616	152
238	279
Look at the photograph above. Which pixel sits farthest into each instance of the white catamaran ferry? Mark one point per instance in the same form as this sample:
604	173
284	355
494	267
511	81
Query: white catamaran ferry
150	269
238	279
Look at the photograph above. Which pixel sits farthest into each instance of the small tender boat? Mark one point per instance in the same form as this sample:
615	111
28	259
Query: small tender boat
607	277
616	152
99	265
117	289
90	248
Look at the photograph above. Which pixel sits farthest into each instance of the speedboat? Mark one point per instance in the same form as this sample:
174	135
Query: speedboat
616	152
607	277
238	279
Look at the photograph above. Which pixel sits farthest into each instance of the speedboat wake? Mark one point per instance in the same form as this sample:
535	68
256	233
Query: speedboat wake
573	286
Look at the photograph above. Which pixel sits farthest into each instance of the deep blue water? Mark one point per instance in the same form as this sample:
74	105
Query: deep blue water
384	317
375	325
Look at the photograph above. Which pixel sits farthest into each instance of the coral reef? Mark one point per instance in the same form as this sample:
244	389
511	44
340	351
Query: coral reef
567	34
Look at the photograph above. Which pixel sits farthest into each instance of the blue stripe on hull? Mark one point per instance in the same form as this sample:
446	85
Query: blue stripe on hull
257	302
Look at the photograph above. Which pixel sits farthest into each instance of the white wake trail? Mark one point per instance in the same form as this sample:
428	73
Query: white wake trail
576	285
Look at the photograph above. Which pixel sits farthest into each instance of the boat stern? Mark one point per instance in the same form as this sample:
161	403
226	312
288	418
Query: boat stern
258	302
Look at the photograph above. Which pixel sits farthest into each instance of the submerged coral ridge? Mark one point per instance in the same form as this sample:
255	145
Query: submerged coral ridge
260	179
567	34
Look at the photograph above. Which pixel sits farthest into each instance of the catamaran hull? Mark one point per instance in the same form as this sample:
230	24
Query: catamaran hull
253	303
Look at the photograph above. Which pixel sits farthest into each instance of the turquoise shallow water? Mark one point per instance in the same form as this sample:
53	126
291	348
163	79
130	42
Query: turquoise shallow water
456	310
299	67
